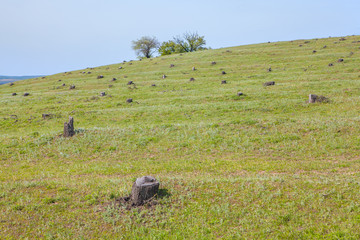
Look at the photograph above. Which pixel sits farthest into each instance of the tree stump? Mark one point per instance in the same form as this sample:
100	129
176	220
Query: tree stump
102	94
143	189
100	76
72	87
213	63
223	72
69	128
192	79
269	69
193	68
26	94
240	94
129	100
14	94
130	82
223	82
312	98
164	76
269	83
172	65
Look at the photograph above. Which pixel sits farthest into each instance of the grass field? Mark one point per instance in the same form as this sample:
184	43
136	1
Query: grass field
264	165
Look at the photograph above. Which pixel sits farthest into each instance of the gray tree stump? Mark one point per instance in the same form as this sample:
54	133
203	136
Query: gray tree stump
143	189
69	128
312	98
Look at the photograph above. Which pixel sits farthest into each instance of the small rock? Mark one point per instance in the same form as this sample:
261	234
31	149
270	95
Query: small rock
102	94
129	100
14	94
59	80
193	68
72	87
314	51
26	94
120	67
223	82
213	63
325	46
172	65
223	72
63	84
330	65
153	85
130	82
240	94
192	79
114	79
100	76
164	76
11	84
88	72
269	69
69	128
340	60
300	45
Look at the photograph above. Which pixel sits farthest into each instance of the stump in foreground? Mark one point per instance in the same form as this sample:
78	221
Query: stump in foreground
143	189
69	128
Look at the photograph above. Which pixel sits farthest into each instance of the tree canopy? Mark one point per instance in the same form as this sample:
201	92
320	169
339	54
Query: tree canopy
145	46
188	42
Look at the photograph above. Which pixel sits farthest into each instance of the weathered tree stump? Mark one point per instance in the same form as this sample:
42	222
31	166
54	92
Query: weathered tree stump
312	98
63	84
100	76
340	60
330	65
240	94
26	94
72	87
223	82
213	63
69	128
193	68
114	79
314	51
130	82
143	189
269	69
172	65
14	94
153	85
11	84
192	79
223	72
315	98
164	76
120	67
102	94
129	100
324	46
269	83
46	115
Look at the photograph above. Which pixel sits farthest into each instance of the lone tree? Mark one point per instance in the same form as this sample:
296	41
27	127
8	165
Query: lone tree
188	42
145	46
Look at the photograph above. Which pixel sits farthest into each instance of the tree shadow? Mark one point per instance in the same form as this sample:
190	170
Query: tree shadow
163	193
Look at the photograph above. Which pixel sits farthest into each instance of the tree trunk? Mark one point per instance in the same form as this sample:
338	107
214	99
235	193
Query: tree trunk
69	128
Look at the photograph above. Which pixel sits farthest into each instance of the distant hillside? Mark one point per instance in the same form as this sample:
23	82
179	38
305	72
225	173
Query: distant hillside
8	79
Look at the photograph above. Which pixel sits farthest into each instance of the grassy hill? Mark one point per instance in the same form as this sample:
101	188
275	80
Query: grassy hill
265	164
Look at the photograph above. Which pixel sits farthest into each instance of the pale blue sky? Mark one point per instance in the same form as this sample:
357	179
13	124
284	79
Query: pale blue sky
51	36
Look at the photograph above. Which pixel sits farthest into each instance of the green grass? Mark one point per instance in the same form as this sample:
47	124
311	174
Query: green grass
263	165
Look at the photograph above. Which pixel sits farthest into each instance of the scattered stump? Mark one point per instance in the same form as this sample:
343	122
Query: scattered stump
314	51
223	82
315	98
69	128
11	84
192	79
129	100
172	65
223	72
88	72
153	85
100	76
240	94
63	84
325	46
193	68
130	82
307	42
59	80
330	65
300	45
72	87
269	83
14	94
269	69
120	67
47	115
26	94
164	76
213	63
114	79
340	60
144	189
342	39
102	94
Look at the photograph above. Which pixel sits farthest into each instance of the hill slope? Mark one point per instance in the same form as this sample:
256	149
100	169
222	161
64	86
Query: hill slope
265	164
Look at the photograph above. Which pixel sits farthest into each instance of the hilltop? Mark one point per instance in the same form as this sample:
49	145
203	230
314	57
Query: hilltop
264	164
8	79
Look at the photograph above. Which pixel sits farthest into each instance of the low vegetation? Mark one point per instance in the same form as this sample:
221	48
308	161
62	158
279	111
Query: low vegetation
260	164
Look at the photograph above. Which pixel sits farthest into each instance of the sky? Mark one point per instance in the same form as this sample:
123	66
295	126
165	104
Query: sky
43	37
